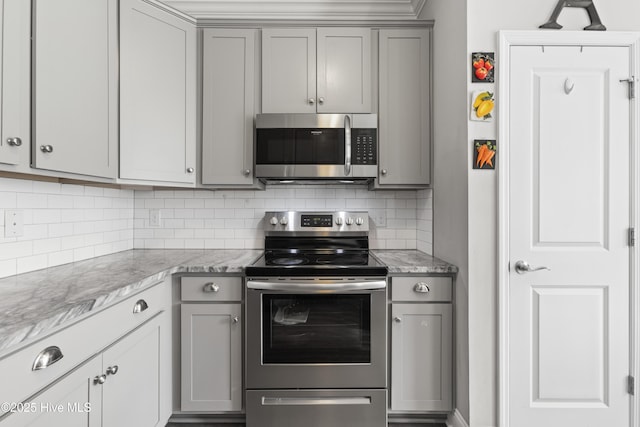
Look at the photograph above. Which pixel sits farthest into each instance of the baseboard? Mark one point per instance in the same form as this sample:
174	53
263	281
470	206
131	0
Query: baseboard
456	420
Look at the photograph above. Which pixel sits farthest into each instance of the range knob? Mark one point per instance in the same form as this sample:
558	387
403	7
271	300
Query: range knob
359	221
273	220
339	220
349	221
284	220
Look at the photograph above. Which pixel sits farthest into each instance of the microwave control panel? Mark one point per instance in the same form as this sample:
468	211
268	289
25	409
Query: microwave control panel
364	143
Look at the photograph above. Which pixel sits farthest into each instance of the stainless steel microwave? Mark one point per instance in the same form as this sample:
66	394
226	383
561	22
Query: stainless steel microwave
316	146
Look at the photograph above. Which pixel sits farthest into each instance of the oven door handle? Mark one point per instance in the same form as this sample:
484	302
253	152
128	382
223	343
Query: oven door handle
312	288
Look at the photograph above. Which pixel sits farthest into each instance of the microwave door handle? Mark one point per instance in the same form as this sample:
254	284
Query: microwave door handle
347	145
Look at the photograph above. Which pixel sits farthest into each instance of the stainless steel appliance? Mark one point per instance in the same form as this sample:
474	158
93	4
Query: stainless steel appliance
316	329
316	146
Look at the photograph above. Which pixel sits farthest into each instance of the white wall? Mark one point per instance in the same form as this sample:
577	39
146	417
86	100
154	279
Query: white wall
232	219
450	193
62	223
484	19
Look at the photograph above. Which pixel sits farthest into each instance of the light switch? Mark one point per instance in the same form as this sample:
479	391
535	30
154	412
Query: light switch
13	223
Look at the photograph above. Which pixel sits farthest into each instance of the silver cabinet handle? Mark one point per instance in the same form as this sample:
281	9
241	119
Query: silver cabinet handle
210	287
383	171
190	170
312	101
321	100
47	357
140	306
246	172
112	370
523	267
421	287
347	145
14	142
397	319
235	319
46	148
100	379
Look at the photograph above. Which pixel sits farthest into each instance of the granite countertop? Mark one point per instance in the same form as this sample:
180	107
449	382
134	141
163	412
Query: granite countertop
413	261
32	304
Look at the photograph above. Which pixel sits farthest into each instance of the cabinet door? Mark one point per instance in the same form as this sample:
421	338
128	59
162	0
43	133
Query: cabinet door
404	127
132	395
289	70
228	83
75	75
158	94
421	357
15	34
211	357
344	70
73	401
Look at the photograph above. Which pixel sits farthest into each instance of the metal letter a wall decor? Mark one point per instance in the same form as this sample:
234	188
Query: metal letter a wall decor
585	4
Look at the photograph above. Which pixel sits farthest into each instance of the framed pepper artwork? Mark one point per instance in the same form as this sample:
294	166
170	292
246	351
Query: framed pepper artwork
482	105
483	67
484	153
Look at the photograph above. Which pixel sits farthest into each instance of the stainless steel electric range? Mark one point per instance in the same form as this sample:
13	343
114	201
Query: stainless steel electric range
316	331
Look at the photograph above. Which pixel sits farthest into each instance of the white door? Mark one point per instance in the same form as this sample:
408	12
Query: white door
569	210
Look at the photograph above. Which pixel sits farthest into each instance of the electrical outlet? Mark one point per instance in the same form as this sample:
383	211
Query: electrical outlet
380	218
13	223
154	218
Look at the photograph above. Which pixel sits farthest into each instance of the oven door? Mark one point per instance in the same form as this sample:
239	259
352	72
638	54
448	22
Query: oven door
318	334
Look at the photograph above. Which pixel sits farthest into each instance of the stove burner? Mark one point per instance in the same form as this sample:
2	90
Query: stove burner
288	261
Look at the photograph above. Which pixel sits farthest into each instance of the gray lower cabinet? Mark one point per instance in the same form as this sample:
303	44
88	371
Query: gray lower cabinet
229	81
421	344
123	386
404	127
211	344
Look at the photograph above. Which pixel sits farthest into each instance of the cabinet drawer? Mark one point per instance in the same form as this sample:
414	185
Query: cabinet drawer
433	289
77	343
218	288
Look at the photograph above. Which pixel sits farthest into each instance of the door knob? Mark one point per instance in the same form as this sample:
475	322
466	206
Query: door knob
523	267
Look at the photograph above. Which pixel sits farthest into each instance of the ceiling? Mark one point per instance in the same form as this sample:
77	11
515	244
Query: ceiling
298	9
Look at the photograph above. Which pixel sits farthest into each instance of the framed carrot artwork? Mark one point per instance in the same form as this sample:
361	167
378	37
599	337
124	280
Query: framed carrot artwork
483	67
482	104
484	153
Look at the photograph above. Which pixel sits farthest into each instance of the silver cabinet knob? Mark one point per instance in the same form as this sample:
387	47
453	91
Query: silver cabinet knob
312	101
397	319
210	287
246	172
523	267
14	142
100	379
140	306
421	287
112	370
383	171
321	100
190	170
235	319
47	357
46	148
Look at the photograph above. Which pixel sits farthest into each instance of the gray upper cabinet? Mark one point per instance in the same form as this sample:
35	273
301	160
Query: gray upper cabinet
158	95
404	115
229	104
14	84
327	70
75	90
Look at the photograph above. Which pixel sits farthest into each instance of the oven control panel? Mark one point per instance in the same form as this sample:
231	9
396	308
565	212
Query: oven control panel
322	223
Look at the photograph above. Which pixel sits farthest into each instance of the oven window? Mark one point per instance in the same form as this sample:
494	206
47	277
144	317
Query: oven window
316	329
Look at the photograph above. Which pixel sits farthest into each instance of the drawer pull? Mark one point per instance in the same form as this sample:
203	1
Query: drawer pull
210	287
421	287
141	305
100	379
47	357
112	370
